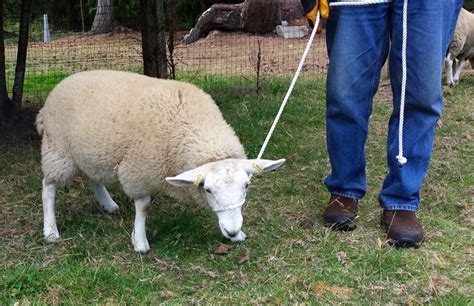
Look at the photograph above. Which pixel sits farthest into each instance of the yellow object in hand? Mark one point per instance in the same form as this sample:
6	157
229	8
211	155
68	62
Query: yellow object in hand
323	8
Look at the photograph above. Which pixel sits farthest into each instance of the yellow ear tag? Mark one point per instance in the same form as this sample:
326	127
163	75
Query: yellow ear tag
258	168
198	178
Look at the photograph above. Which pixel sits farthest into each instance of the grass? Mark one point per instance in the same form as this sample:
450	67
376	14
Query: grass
37	85
290	257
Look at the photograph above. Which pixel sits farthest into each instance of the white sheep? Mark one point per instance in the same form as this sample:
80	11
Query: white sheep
461	47
140	131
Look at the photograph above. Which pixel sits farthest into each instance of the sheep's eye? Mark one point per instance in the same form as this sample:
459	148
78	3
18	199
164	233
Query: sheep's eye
247	185
207	190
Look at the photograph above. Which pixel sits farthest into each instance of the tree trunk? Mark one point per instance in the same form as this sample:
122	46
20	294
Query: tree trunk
21	55
69	21
218	17
172	39
153	38
103	20
5	103
82	16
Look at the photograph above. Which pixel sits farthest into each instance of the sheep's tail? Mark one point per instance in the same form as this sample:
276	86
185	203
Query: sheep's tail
39	123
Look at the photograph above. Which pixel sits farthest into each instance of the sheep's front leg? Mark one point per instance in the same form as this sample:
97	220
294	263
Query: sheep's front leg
457	72
140	243
449	69
50	229
103	197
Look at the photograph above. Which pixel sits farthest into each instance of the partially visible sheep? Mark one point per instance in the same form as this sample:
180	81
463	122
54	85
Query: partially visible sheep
141	132
461	47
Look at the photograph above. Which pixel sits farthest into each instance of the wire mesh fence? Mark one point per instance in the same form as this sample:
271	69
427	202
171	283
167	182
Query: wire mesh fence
242	51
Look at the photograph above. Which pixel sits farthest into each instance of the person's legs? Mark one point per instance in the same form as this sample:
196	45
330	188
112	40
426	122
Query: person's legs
358	40
430	26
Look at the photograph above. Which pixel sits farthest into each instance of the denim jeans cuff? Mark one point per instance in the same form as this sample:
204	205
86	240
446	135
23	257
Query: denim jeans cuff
347	194
407	206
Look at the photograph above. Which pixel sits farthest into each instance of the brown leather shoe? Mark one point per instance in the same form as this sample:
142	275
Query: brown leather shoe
340	213
403	228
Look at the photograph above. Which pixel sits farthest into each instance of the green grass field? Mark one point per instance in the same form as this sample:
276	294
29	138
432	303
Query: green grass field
290	257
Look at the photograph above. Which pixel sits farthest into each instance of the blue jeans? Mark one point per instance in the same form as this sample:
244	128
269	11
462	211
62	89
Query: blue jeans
358	40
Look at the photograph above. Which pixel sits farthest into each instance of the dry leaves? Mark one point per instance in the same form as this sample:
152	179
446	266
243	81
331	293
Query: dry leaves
342	257
166	294
243	259
199	269
222	249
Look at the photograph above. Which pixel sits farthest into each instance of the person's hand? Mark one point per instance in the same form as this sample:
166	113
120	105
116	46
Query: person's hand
323	8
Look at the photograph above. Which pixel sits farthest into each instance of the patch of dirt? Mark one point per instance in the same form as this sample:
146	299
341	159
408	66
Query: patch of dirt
237	52
22	131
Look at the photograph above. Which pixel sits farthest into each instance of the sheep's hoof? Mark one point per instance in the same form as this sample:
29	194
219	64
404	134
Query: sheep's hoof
51	235
240	237
142	248
140	245
143	252
111	208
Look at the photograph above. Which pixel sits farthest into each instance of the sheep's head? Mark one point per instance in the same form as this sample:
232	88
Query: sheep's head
225	184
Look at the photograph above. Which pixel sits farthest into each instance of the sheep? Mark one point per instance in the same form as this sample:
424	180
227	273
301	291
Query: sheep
461	47
150	135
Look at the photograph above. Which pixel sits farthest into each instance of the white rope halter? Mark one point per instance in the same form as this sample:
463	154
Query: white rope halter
230	207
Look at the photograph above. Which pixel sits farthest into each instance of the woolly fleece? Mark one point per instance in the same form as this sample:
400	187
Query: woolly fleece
462	44
120	126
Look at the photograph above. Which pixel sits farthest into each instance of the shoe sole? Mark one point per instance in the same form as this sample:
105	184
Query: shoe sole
346	226
402	243
405	243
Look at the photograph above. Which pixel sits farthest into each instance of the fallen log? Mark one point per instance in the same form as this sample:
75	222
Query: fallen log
252	16
225	17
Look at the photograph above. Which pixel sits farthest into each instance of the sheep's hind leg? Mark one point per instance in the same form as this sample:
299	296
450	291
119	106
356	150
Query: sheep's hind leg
50	229
449	69
457	73
103	197
58	170
139	240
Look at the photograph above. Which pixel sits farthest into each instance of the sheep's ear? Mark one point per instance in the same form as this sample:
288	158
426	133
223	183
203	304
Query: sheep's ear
192	177
252	166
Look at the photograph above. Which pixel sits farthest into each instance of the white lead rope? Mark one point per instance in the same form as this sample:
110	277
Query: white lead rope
401	159
290	89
